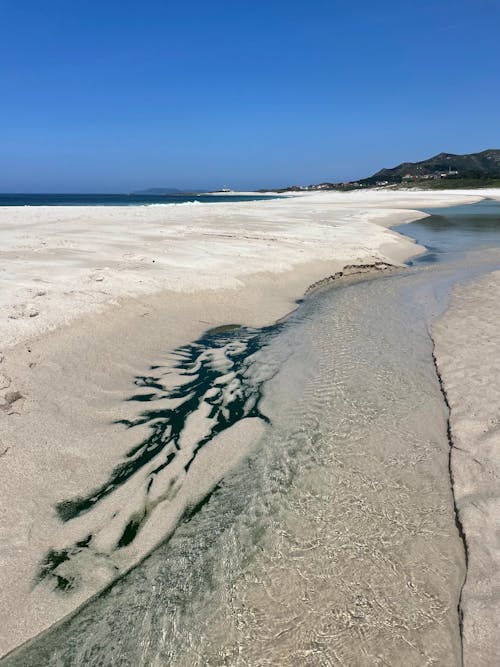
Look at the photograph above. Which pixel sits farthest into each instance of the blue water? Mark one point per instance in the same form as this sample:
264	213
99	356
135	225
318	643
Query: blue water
20	199
450	232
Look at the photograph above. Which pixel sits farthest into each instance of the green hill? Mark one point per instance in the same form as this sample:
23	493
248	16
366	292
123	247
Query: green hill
479	166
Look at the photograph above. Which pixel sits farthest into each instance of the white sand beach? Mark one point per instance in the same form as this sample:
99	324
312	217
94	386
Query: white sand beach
59	263
92	296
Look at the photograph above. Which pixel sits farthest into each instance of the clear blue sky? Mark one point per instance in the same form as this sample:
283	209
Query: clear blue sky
117	95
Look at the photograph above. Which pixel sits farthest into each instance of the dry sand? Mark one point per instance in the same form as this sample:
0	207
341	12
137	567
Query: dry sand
90	297
58	263
467	341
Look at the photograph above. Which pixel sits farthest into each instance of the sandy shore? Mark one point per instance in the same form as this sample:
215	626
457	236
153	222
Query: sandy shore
90	298
59	263
468	357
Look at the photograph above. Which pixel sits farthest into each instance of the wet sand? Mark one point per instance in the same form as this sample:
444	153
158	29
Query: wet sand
65	377
468	358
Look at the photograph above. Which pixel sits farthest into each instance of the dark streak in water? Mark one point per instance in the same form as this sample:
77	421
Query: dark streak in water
202	365
167	425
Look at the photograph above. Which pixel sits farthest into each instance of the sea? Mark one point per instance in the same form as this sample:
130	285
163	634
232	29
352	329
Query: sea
49	199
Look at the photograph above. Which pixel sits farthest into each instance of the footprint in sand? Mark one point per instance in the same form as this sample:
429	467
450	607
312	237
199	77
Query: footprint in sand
10	396
4	381
37	293
98	275
22	311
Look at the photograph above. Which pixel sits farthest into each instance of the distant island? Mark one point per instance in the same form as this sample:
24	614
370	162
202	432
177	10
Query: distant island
159	191
176	191
445	170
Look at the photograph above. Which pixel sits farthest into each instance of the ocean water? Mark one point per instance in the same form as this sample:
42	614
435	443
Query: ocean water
335	541
121	199
449	233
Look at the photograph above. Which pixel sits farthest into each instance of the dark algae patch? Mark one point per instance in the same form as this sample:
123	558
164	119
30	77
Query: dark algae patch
167	425
217	379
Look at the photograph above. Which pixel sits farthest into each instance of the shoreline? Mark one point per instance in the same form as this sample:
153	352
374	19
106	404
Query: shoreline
64	262
70	397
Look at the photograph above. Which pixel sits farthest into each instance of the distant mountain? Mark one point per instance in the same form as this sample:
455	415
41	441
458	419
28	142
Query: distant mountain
472	165
445	170
159	191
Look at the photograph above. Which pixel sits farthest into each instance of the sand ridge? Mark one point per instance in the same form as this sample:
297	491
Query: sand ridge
468	352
